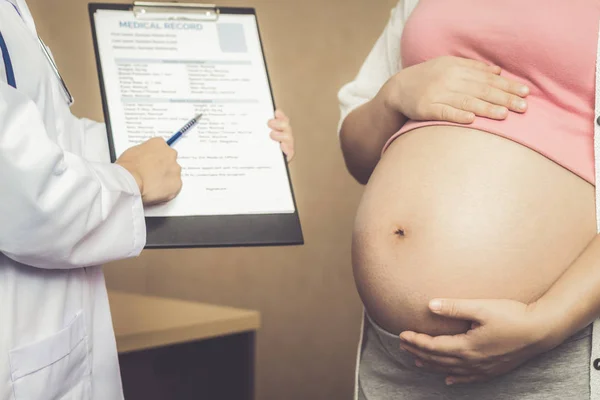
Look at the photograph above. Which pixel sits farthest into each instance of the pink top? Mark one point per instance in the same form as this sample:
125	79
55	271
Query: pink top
548	45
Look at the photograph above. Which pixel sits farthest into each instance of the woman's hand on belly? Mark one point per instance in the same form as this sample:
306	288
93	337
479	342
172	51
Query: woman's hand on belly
454	89
504	334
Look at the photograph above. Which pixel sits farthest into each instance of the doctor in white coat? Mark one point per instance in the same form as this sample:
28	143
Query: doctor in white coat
61	215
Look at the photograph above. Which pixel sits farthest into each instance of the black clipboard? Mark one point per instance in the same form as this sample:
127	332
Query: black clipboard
204	231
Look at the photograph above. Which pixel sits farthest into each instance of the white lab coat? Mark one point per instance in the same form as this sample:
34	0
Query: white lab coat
380	65
60	217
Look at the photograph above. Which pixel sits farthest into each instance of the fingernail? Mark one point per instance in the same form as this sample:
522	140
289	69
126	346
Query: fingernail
500	112
523	90
449	382
435	305
419	364
522	105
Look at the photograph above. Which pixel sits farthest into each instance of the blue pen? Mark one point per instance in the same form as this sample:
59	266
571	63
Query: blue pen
183	130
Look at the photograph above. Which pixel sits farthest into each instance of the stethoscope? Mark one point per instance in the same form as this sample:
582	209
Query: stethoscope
10	72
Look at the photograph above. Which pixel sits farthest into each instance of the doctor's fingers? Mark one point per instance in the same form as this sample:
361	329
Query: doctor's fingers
163	191
161	173
280	136
177	188
280	125
289	151
280	115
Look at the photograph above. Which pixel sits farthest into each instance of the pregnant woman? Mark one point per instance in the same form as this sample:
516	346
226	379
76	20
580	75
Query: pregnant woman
475	248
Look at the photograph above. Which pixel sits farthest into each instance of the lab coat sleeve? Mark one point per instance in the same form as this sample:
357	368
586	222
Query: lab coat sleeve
95	141
58	210
381	64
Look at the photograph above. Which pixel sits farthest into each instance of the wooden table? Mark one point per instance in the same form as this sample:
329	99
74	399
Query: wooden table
174	349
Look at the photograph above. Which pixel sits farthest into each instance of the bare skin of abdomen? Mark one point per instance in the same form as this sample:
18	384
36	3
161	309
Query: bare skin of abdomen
451	212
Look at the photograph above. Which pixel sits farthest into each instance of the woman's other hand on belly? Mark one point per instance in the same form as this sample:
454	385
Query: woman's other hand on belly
456	90
449	89
504	334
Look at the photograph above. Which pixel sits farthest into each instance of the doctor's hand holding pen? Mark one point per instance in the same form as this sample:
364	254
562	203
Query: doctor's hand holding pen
154	166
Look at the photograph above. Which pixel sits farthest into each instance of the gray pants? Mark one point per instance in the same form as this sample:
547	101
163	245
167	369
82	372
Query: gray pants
385	372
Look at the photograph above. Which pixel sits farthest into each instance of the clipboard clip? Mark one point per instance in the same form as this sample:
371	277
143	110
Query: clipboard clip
175	11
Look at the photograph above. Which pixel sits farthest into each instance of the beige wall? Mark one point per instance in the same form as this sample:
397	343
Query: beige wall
310	310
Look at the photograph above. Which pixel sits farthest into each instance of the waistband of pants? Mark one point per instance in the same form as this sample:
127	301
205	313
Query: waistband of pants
391	342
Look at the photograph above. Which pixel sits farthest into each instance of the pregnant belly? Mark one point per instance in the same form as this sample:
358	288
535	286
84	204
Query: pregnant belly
455	212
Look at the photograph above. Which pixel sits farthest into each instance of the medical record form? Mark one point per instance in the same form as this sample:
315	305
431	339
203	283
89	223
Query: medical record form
159	66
